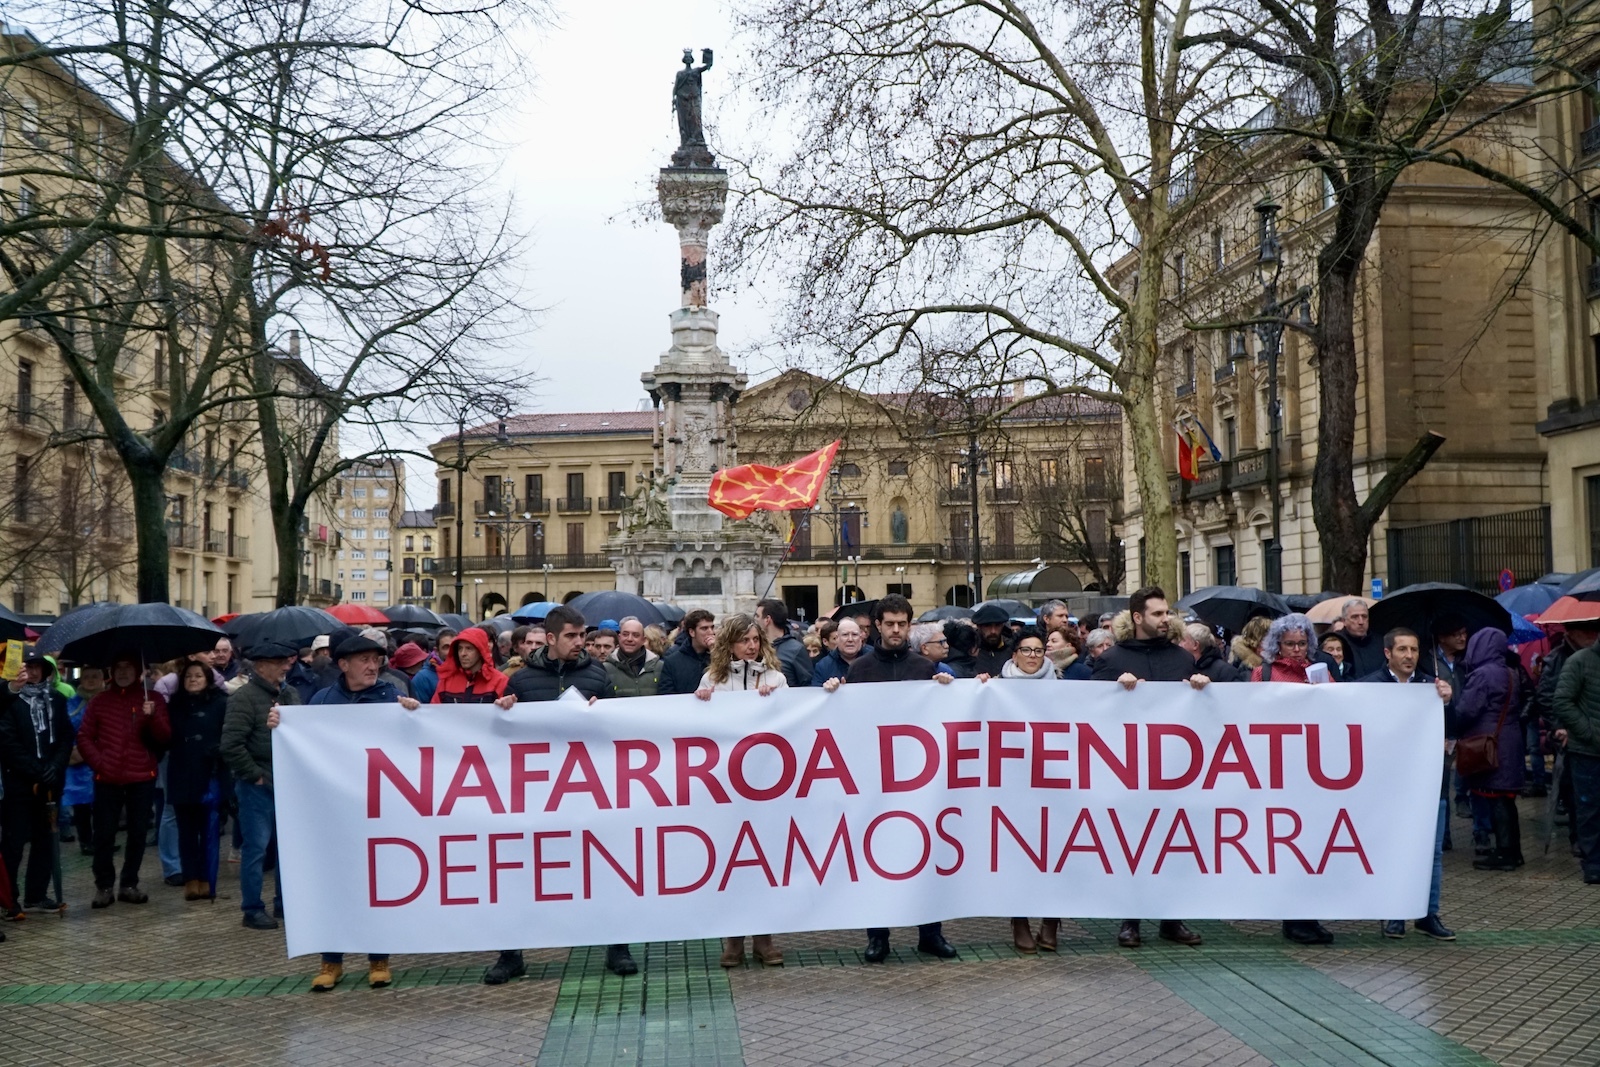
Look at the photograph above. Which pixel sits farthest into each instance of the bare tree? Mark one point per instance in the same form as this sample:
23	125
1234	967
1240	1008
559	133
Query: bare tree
1074	506
1006	173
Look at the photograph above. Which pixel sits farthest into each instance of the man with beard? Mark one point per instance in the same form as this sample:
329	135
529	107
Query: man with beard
1149	656
893	661
991	655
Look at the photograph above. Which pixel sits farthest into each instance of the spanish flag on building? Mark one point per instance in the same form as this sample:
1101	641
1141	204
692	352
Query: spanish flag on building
738	492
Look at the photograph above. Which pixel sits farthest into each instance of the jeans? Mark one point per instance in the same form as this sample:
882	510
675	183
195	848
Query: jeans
257	817
110	802
1436	887
25	818
1482	817
167	841
1585	813
338	957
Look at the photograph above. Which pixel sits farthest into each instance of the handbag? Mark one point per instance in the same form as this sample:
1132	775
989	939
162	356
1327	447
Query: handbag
1481	752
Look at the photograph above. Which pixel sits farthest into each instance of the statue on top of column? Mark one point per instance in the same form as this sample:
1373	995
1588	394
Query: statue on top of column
686	101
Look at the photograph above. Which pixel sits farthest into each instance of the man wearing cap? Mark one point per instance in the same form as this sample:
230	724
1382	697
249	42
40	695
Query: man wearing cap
991	655
123	732
408	660
35	745
247	750
322	664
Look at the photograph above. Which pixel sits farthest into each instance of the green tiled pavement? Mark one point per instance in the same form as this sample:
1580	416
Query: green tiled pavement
678	1010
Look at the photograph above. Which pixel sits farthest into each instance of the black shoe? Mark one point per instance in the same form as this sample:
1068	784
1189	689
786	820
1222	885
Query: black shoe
619	961
1128	936
1307	932
1494	862
1482	845
176	881
1173	930
936	945
1592	879
47	904
1435	929
877	948
258	919
509	966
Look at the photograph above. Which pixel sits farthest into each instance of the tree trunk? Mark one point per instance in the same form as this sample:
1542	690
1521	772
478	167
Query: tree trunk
1341	525
288	539
1155	498
150	521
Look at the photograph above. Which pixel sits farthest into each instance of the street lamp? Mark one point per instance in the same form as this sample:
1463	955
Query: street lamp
509	526
977	466
1273	321
834	516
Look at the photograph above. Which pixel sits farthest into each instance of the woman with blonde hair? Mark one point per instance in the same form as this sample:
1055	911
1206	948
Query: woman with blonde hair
742	659
655	639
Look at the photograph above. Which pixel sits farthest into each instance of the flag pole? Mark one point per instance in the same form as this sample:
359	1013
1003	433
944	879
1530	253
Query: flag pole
784	558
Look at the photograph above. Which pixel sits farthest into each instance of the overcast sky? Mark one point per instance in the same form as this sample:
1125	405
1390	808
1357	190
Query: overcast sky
586	146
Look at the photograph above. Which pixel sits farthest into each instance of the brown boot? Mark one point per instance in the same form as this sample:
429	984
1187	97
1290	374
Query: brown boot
768	953
733	952
327	977
1048	929
1022	936
194	889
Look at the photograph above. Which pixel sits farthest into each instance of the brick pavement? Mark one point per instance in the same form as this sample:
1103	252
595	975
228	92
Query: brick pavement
179	983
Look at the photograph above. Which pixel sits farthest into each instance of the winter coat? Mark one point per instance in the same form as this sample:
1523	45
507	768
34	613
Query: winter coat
990	661
1577	701
79	787
1211	664
35	739
379	692
681	668
246	745
1245	655
1282	670
794	658
638	675
960	664
1148	659
1365	654
833	665
195	757
167	684
399	679
484	686
1544	697
1046	671
890	665
745	674
543	678
1493	686
304	680
425	682
119	740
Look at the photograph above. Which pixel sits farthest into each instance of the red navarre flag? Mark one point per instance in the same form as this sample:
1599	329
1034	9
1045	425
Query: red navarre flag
737	492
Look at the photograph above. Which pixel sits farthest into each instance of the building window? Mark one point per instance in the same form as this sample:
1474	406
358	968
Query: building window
616	487
427	587
444	494
1219	250
358	594
358	576
899	588
27	201
1005	533
359	492
1180	266
24	391
575	486
408	587
958	474
575	537
380	492
1002	474
1223	563
1094	477
533	490
1049	473
427	543
358	535
380	513
960	534
1185	574
1188	365
849	470
380	594
355	513
1230	446
410	543
355	553
20	496
381	554
899	468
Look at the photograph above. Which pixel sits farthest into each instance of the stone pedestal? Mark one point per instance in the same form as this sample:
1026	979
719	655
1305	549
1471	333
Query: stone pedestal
673	545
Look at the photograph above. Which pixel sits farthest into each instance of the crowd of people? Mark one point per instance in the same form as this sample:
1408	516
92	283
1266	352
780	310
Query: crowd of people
176	755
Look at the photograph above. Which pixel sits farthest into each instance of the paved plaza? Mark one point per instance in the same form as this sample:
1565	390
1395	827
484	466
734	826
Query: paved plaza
178	983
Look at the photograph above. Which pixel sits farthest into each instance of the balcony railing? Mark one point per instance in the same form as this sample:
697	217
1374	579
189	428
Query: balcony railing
521	561
822	552
1223	373
536	505
29	411
182	461
1244	470
614	503
1590	139
238	547
444	509
1185	389
1593	279
960	494
325	587
183	535
1002	495
215	541
236	479
575	505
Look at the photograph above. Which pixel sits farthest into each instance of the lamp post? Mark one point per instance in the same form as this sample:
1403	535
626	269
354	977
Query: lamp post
834	516
975	467
508	526
1270	327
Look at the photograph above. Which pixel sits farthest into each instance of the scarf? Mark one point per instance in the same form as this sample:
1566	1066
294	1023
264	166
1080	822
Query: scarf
37	696
1011	670
1062	658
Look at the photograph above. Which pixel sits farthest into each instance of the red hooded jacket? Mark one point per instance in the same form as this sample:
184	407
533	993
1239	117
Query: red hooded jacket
483	686
119	740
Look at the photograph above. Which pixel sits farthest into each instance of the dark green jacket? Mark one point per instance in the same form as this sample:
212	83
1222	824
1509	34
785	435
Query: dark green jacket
246	742
638	679
1577	702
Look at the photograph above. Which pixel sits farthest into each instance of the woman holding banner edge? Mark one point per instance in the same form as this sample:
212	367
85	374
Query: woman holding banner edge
742	658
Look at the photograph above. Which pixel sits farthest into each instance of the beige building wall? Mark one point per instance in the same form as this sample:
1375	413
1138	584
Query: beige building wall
1445	341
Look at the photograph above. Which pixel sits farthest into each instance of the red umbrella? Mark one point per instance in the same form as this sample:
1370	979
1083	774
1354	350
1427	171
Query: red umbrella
1570	609
358	615
224	619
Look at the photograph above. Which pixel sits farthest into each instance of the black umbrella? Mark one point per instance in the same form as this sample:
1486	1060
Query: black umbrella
616	605
1014	609
414	617
944	612
1304	602
12	627
296	625
72	625
1571	581
500	624
671	614
1231	606
151	632
1588	588
1417	607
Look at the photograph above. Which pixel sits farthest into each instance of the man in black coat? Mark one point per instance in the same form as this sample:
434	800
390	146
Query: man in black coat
1366	647
553	668
773	615
893	661
991	654
35	745
1148	656
683	666
1201	643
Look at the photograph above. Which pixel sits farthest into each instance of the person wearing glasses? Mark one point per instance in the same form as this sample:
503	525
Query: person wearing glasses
928	641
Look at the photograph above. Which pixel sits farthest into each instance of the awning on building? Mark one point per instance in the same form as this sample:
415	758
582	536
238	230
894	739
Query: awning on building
1036	586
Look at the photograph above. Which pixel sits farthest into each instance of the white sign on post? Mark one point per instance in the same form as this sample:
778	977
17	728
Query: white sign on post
462	827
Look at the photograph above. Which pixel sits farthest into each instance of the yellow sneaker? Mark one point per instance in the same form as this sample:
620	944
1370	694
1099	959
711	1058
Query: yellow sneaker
327	977
378	974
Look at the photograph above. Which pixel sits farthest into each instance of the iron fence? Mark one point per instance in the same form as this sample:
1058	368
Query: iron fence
1472	552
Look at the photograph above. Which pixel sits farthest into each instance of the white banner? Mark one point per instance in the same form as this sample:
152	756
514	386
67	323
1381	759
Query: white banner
462	827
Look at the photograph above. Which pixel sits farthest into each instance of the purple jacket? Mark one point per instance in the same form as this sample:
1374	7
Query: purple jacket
1490	679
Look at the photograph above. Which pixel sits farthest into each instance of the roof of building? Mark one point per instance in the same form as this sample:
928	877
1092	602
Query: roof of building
553	424
417	519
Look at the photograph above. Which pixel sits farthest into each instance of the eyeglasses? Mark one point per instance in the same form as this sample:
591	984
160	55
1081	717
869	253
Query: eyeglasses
936	641
1030	651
